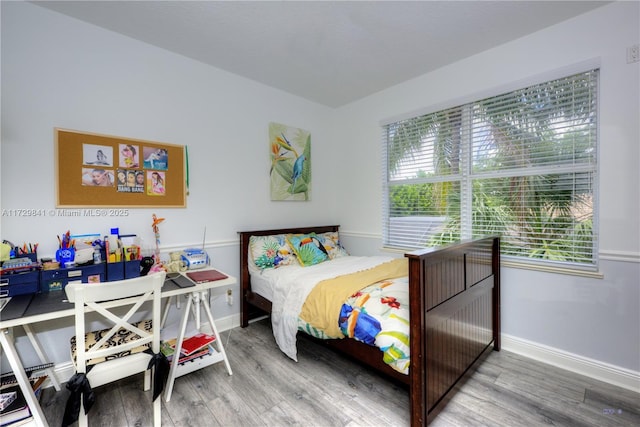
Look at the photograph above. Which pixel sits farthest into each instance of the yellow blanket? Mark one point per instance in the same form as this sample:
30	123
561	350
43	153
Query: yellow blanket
322	306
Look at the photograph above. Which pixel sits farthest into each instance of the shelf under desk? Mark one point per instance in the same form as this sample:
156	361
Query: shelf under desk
54	305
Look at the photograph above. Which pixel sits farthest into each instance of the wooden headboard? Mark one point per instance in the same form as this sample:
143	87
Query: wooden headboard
248	311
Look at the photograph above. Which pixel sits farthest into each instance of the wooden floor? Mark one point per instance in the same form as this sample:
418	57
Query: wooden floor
324	389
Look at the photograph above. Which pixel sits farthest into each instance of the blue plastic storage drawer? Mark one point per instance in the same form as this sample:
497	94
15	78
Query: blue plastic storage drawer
54	280
19	283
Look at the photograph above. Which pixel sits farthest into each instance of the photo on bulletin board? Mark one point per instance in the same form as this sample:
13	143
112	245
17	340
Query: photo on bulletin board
97	177
155	183
130	181
98	155
129	154
104	170
156	158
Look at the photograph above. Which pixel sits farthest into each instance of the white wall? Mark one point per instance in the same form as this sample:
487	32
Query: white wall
59	72
596	319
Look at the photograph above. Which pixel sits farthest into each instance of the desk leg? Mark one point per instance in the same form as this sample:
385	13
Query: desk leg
43	359
176	354
207	310
167	306
196	307
18	370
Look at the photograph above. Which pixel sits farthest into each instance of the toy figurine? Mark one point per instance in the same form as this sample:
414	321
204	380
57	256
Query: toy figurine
156	231
176	264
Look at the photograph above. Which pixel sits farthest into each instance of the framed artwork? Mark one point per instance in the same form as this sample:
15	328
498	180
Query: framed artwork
290	174
103	170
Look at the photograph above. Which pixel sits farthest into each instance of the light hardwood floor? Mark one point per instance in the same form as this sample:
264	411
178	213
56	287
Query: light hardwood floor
325	389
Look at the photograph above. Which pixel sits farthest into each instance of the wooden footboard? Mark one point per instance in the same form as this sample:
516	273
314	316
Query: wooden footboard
454	312
455	316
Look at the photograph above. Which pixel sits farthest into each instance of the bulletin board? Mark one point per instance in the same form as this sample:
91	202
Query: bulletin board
103	170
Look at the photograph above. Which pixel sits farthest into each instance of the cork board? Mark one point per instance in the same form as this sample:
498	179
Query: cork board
103	170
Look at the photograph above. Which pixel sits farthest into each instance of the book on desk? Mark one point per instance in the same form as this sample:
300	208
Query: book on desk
204	276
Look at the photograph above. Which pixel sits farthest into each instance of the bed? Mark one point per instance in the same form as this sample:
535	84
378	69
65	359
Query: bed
454	314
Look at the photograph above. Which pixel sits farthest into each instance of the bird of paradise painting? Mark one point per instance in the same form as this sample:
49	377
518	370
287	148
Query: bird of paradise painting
290	172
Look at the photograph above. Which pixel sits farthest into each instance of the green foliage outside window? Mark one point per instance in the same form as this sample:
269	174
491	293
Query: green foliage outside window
529	174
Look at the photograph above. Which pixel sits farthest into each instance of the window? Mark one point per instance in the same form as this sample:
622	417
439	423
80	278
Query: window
521	165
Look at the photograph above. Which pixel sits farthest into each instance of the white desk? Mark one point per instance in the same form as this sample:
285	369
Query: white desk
53	305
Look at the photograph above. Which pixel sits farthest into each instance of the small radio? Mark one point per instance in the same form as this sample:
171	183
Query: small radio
195	258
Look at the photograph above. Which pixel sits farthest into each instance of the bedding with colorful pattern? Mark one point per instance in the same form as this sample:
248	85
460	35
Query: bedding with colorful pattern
364	298
281	250
376	315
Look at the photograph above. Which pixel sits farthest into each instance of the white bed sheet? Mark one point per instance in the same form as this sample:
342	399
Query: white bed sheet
288	288
260	284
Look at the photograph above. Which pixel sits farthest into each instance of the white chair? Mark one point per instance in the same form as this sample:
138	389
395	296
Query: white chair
117	352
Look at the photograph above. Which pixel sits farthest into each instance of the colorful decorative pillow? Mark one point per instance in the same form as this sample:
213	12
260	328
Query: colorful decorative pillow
271	251
331	242
307	248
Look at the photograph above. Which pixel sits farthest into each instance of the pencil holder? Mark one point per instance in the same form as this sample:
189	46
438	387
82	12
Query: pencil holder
63	256
115	271
32	256
131	269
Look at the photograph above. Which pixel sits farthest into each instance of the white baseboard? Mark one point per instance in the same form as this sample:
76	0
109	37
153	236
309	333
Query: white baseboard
572	362
65	370
229	322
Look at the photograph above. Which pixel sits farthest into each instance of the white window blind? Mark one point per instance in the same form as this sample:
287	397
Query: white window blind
521	164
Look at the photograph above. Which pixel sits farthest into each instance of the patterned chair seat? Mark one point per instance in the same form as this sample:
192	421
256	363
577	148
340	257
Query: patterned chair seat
121	337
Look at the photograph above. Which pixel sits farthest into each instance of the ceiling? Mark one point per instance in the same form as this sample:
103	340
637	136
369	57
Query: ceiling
329	52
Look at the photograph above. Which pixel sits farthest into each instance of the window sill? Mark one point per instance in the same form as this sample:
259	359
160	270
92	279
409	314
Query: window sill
552	269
